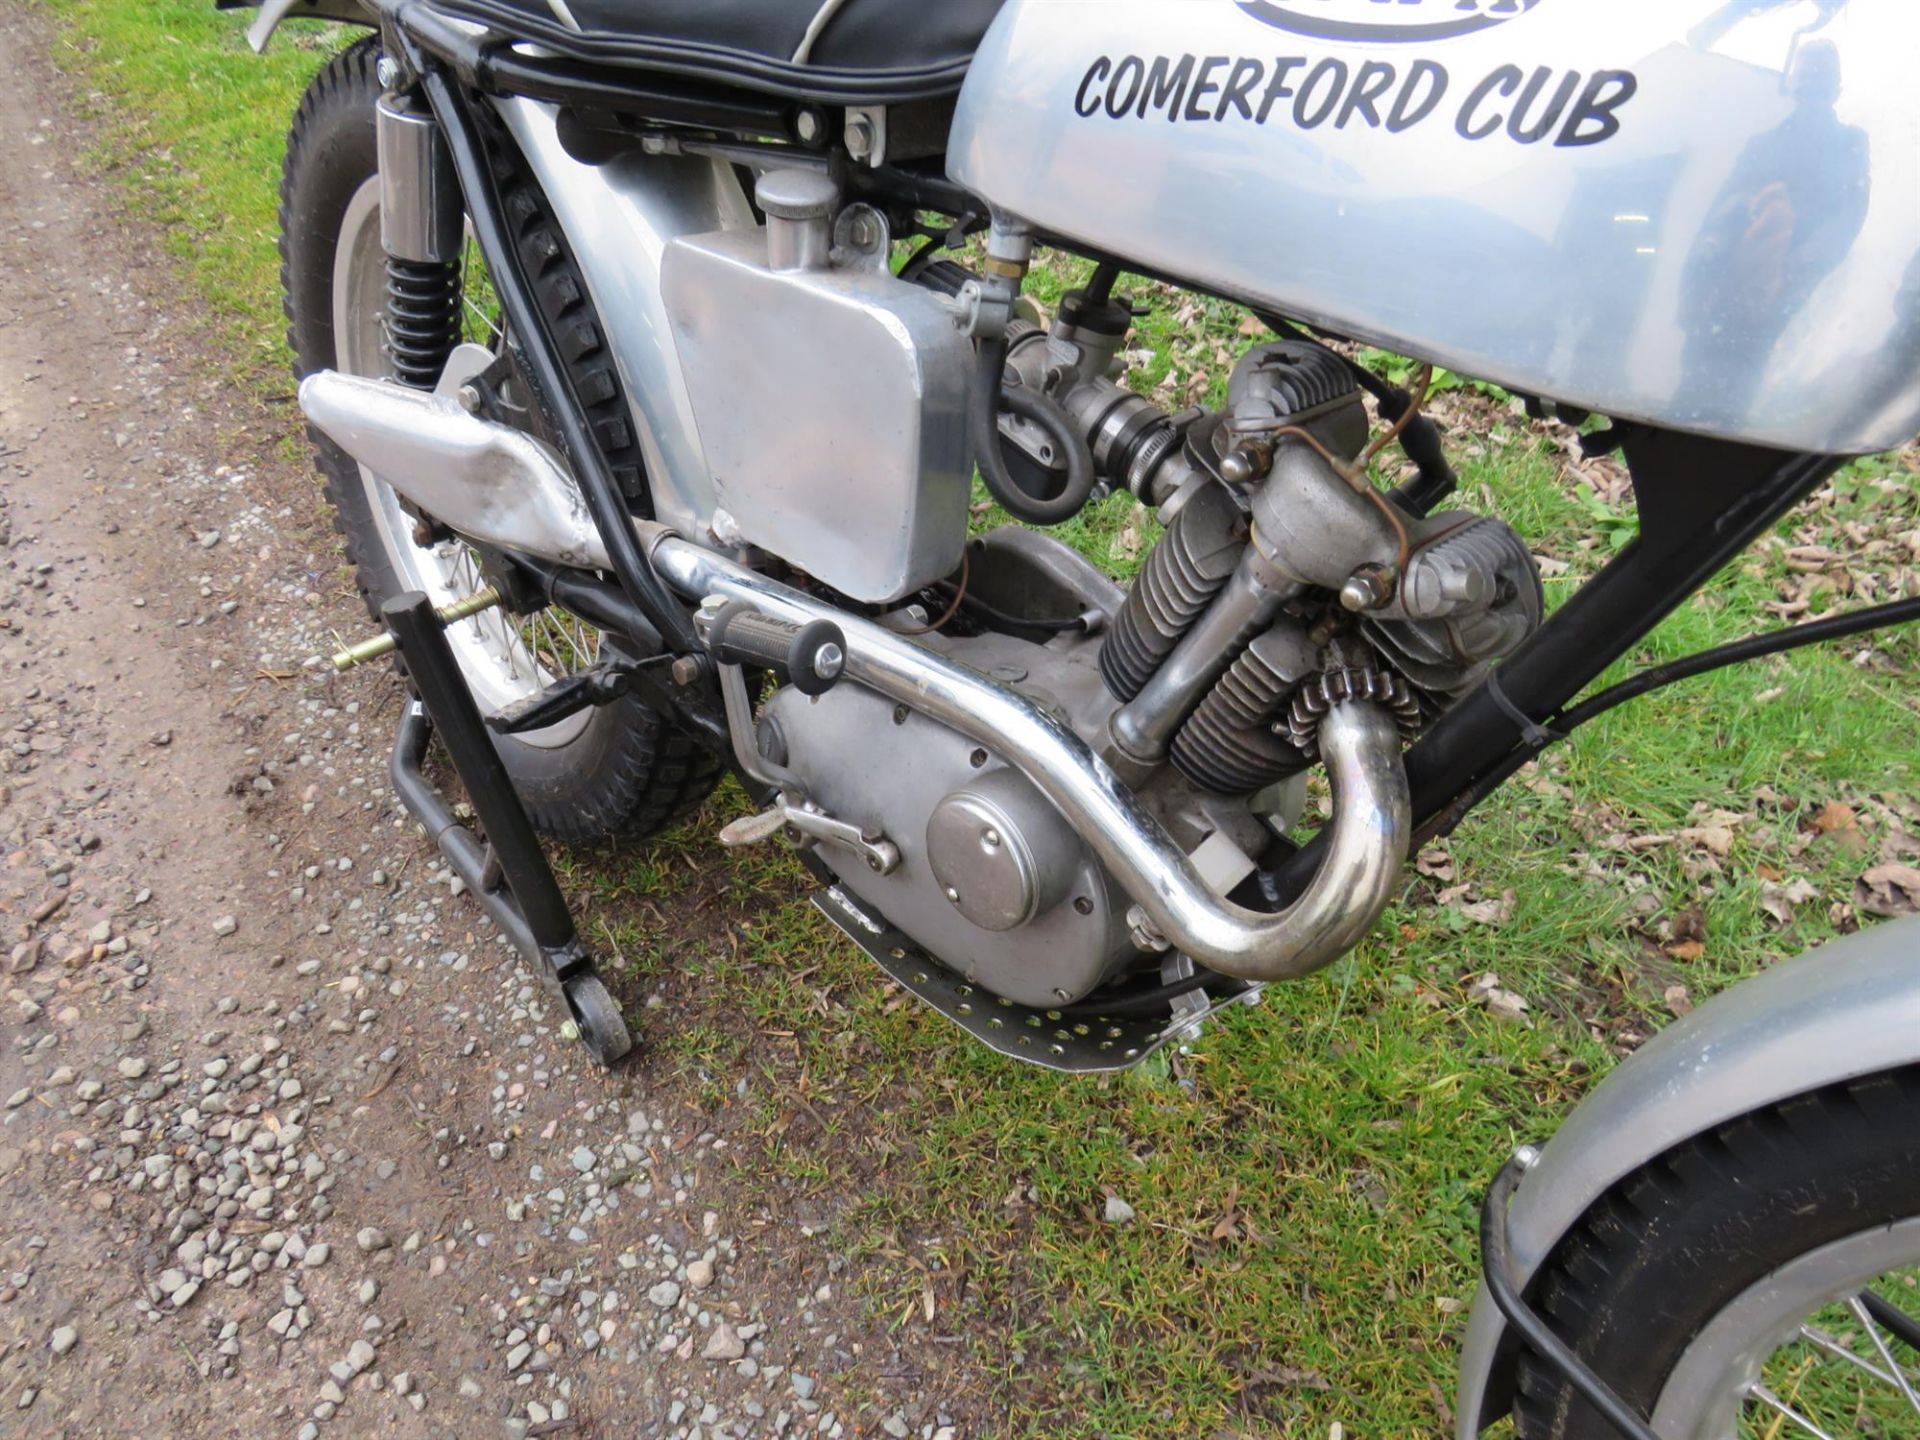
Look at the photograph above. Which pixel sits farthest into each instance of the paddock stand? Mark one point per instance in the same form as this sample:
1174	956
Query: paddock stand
507	872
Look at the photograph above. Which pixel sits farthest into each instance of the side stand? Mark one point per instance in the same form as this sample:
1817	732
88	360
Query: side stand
508	873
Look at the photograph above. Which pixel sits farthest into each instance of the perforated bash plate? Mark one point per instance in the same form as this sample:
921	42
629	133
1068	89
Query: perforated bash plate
1081	1044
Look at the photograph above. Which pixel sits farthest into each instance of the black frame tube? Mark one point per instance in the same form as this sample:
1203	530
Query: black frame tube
1752	647
1702	502
535	338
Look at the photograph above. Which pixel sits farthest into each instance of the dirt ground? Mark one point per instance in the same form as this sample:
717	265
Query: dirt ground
291	1144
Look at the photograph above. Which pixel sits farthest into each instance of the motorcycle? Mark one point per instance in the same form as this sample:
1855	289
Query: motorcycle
649	353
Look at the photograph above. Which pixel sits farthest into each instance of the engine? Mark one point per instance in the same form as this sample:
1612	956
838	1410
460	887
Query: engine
1285	582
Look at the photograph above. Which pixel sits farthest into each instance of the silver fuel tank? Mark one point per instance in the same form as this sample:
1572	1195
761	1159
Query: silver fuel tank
1699	213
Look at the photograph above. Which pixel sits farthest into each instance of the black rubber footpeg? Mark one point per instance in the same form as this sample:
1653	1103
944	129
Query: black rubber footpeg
810	657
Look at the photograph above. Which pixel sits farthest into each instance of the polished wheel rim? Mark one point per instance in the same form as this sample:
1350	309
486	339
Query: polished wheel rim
1825	1346
504	657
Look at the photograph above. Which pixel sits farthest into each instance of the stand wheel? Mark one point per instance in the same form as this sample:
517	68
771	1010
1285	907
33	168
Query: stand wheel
598	1019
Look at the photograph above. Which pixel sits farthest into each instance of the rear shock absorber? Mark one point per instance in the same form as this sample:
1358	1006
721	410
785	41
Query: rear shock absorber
423	318
423	229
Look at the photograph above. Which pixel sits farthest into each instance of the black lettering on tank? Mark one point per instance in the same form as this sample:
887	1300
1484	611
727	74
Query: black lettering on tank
1374	79
1411	106
1166	86
1335	70
1241	80
1203	86
1528	128
1277	87
1120	96
1096	72
1506	80
1594	116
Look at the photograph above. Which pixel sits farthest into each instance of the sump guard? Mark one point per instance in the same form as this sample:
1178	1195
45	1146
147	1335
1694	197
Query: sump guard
1080	1044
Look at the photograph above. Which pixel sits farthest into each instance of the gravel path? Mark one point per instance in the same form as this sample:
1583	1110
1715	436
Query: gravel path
291	1143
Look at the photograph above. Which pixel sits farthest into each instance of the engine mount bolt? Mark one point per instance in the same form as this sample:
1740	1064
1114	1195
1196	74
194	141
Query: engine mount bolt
469	398
387	72
1368	588
685	671
859	137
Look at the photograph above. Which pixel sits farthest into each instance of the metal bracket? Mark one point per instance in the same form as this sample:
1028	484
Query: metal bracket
1539	1336
605	683
866	134
1077	1042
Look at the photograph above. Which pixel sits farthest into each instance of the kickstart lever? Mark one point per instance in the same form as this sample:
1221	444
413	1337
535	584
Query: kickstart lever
881	854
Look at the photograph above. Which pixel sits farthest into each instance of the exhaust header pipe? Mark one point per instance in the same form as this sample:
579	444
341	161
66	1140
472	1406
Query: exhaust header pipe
489	482
1359	742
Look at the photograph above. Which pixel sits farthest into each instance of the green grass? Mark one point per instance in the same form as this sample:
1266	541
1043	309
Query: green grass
196	123
1305	1177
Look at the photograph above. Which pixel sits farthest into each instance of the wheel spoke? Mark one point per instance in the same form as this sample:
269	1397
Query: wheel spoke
1833	1347
1873	1333
1773	1402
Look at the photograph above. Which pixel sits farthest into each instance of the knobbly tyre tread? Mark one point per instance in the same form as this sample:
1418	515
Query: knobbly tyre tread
631	773
1668	1247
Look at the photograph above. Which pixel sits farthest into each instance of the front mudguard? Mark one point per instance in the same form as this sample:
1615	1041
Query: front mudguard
1847	1009
272	12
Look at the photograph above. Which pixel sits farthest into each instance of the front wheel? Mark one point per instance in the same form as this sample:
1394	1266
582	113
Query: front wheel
613	771
1760	1280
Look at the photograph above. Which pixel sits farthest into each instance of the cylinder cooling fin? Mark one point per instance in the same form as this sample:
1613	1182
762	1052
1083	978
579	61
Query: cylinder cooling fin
1228	745
1180	578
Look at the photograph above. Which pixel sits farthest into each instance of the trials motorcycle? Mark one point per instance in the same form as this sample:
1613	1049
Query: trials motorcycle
650	349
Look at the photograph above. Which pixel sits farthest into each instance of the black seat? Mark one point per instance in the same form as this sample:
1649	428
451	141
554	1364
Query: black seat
838	51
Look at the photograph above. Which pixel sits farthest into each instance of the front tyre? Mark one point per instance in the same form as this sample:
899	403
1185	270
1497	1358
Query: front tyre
1757	1280
613	771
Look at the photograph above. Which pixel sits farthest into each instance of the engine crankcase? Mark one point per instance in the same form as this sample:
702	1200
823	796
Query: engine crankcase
991	880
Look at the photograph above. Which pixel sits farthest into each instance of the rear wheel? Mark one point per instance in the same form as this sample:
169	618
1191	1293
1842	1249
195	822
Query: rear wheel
613	771
1757	1281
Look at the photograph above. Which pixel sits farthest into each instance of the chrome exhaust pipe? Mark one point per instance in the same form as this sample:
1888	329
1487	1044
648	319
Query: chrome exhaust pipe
489	482
1359	743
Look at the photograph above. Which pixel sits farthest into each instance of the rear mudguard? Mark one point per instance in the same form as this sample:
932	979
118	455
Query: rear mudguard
272	12
1848	1009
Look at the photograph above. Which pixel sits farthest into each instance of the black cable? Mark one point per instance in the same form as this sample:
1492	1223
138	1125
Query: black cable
996	616
1160	997
921	257
1421	441
1495	1261
1891	1317
988	399
1752	647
